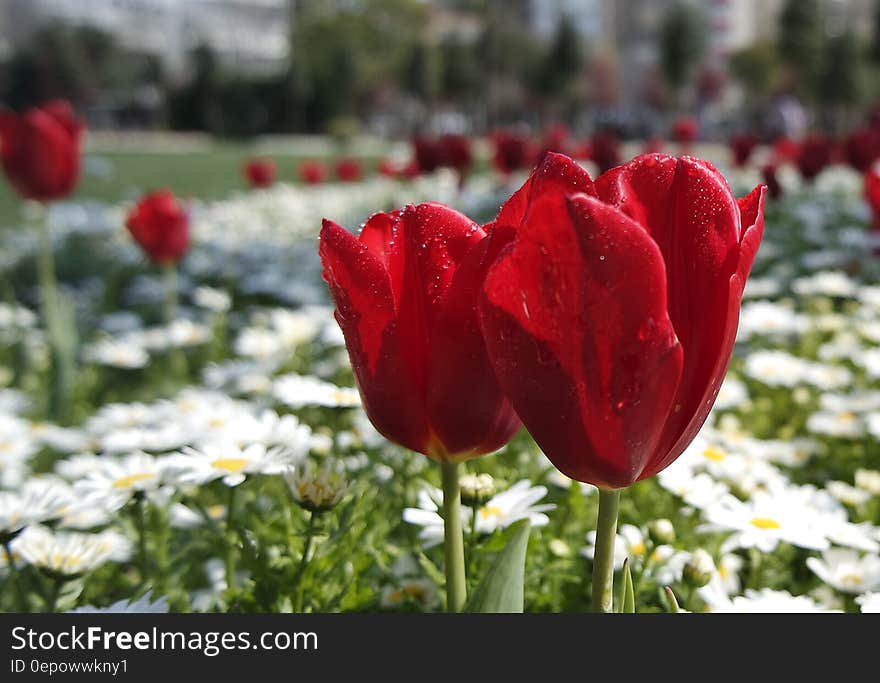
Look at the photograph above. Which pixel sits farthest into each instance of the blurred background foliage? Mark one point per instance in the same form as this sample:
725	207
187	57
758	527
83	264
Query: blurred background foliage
395	65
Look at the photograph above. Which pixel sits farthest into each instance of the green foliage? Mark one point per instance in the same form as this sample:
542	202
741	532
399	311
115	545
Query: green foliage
501	590
344	54
563	62
756	67
681	44
842	82
800	41
78	63
459	69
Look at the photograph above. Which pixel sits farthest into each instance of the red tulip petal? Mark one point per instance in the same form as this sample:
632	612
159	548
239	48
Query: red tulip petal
555	173
365	311
687	207
752	218
574	317
434	239
468	410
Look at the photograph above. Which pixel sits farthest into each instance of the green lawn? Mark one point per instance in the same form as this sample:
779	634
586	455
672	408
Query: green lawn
206	171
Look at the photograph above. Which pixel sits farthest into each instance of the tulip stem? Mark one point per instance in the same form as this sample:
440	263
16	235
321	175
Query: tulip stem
61	340
603	557
456	586
169	270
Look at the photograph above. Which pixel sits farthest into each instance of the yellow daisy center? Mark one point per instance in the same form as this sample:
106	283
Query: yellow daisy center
714	454
132	479
765	523
230	464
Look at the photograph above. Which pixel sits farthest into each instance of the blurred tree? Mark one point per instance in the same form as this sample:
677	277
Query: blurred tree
681	45
841	85
875	37
459	71
755	67
563	61
83	64
419	77
800	42
508	54
345	51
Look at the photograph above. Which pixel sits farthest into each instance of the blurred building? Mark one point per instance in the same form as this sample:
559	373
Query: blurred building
249	35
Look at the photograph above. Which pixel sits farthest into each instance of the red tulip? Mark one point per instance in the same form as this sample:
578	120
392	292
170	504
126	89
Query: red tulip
405	294
349	170
605	150
313	172
813	156
389	168
741	147
611	316
556	139
785	150
872	195
512	152
427	154
260	172
40	150
774	188
685	130
160	226
457	154
861	148
654	145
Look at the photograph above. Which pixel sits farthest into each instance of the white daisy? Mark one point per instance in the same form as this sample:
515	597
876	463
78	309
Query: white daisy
516	503
297	391
228	462
114	481
70	553
847	570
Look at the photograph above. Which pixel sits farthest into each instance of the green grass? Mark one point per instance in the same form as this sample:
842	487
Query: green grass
209	172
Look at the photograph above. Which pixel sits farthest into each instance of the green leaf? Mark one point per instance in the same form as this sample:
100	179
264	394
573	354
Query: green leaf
628	604
501	590
673	603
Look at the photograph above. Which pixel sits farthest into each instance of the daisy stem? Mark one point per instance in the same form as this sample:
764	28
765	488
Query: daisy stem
453	538
603	558
163	542
303	562
54	592
230	539
14	578
140	520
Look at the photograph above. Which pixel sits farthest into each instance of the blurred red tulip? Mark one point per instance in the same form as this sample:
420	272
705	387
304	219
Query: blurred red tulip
861	148
654	145
557	138
512	152
457	154
390	168
349	170
774	189
427	154
872	195
260	172
313	172
605	150
40	150
685	130
741	148
405	295
160	226
814	154
610	317
785	150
